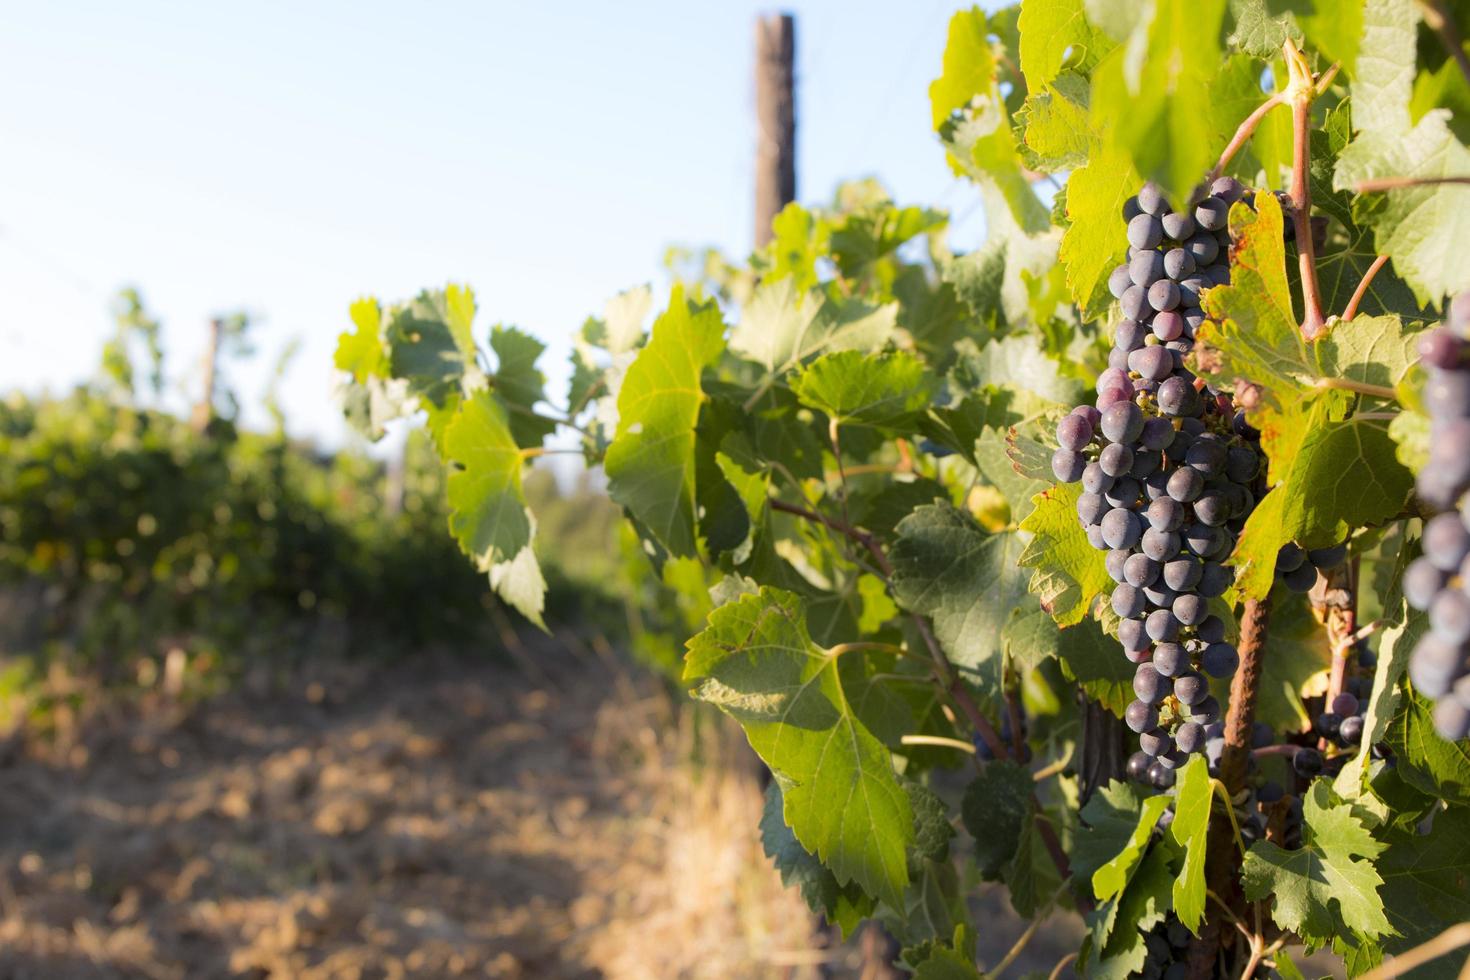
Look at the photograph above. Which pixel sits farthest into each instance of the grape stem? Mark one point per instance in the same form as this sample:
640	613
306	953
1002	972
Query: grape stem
1443	25
1302	89
1361	387
1379	184
1243	133
1362	290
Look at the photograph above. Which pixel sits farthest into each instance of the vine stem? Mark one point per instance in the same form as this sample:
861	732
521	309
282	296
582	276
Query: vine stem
1362	290
1379	184
1446	942
1223	861
1244	132
939	740
1442	24
1302	89
1361	387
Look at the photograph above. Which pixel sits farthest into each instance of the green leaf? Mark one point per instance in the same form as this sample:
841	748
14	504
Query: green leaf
1049	30
994	811
782	326
1144	904
757	663
1109	821
1095	241
843	905
886	391
1017	362
1426	887
948	568
429	346
360	353
1154	98
1068	573
1394	646
487	506
1426	761
1087	654
1423	228
993	458
946	964
932	829
651	462
1112	877
1057	127
1328	886
1190	829
1032	875
519	383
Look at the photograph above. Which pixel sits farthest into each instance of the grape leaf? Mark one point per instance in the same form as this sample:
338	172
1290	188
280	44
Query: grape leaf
1190	829
1112	877
1328	886
1423	228
1068	573
651	462
1108	823
1144	904
1154	98
1017	362
1426	887
487	506
360	353
1087	654
994	811
886	391
843	905
781	326
1095	241
756	662
1394	647
946	964
429	346
932	830
1051	30
519	384
1426	761
947	567
993	460
1032	875
1056	127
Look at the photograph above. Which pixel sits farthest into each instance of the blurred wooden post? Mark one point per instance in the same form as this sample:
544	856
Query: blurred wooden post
204	409
775	117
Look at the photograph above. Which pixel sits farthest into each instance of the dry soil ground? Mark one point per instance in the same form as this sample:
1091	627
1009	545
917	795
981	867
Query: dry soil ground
429	819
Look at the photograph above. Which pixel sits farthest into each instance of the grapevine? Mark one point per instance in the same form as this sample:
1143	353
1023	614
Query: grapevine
1087	564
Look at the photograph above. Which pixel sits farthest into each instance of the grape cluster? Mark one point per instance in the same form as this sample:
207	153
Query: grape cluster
1169	474
1297	568
1439	581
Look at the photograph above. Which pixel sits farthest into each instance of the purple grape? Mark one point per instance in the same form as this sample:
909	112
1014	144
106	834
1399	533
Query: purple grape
1074	433
1145	231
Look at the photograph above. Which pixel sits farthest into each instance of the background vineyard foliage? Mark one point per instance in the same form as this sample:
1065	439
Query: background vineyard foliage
834	458
125	532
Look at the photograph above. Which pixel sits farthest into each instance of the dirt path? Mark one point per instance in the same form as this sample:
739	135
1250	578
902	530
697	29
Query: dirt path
416	821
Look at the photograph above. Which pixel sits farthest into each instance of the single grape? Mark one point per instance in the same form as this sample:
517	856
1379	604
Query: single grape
1328	724
1210	214
1227	189
1154	742
1160	545
1094	480
1329	558
1301	578
1074	433
1449	616
1151	200
1446	393
1212	508
1446	542
1207	456
1212	630
1160	595
1204	248
1451	719
1116	460
1289	557
1176	397
1145	231
1156	434
1168	326
1129	335
1242	464
1190	737
1067	466
1141	716
1214	579
1163	295
1206	711
1090	508
1122	423
1118	281
1132	635
1190	688
1131	208
1190	609
1123	493
1138	764
1140	570
1161	776
1345	704
1433	666
1203	539
1121	528
1128	601
1146	268
1134	303
1182	573
1153	363
1094	537
1177	264
1219	660
1115	562
1307	762
1439	348
1178	225
1185	485
1170	659
1165	514
1162	625
1150	685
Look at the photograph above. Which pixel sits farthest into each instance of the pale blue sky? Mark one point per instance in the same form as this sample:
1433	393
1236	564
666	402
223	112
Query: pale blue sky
288	157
